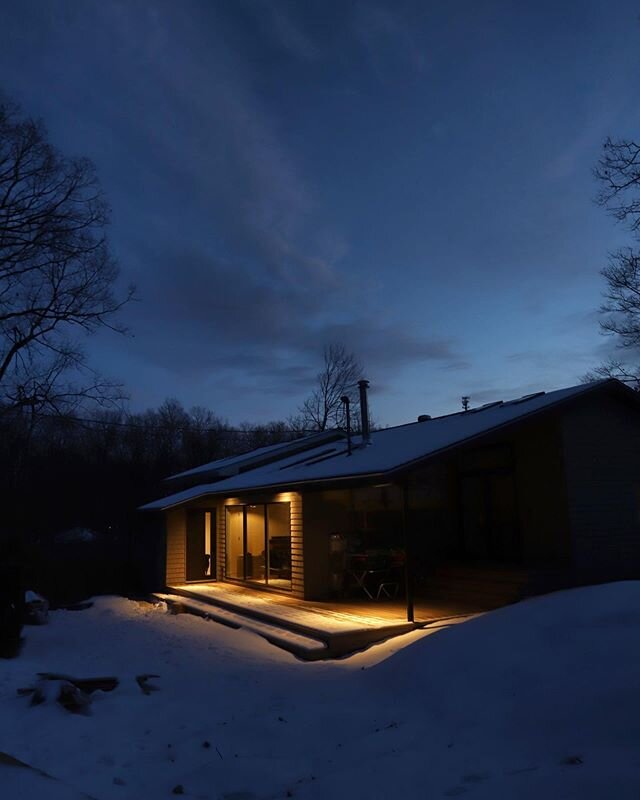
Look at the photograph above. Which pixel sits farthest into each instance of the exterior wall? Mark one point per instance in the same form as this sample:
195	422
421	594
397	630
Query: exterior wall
602	457
221	540
433	512
297	546
176	546
324	513
541	493
533	455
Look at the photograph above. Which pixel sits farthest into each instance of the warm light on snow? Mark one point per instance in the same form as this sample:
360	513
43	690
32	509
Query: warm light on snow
536	700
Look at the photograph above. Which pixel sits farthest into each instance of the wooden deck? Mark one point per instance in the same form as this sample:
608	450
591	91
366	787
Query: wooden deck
336	627
362	612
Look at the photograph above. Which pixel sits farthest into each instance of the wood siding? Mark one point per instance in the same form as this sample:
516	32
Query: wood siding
221	550
541	493
297	545
602	462
176	547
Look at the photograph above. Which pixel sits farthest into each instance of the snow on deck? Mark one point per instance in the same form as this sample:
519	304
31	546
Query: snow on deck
328	619
273	633
536	700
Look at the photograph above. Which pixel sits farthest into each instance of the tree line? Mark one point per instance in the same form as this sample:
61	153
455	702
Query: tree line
95	472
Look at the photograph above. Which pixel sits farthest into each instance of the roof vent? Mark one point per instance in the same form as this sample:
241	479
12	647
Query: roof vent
495	404
526	397
424	417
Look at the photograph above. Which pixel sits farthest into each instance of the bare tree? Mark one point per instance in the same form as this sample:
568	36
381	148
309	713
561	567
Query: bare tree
618	173
339	376
56	271
621	308
613	368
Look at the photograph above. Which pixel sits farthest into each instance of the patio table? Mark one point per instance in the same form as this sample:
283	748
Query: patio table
360	577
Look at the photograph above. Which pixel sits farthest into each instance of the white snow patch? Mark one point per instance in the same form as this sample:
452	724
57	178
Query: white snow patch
535	700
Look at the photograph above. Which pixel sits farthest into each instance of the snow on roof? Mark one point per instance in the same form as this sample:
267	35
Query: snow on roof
390	449
233	464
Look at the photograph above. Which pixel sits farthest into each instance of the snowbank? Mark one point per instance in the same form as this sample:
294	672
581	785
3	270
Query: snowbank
535	700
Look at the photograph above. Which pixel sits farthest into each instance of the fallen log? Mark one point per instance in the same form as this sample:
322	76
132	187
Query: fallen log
73	699
87	685
142	681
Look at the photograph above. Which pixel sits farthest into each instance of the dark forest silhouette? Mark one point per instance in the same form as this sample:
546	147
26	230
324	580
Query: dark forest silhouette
75	484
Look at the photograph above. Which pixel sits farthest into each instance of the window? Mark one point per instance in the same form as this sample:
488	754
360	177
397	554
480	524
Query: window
201	545
259	544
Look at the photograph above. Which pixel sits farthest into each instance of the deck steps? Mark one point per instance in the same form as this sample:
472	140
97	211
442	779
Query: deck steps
305	641
303	646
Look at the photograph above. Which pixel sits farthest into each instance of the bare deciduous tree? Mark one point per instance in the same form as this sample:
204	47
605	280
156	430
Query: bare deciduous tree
613	368
339	376
56	271
618	173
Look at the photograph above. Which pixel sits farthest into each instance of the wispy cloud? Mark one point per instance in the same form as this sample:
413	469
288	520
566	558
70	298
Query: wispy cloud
290	33
236	267
385	32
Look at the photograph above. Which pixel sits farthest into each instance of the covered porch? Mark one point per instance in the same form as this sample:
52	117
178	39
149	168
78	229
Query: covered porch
454	537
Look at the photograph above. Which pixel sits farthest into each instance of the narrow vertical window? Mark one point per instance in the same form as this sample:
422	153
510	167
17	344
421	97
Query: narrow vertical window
208	550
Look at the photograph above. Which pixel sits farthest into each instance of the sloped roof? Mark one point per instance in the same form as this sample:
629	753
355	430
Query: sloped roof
390	450
225	467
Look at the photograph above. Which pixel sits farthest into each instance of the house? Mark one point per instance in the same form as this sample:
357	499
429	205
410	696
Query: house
525	495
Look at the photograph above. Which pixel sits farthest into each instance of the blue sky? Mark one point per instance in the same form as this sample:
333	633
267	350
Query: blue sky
413	179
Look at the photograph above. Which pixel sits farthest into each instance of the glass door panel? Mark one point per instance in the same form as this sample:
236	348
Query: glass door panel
255	557
279	545
235	542
209	544
196	558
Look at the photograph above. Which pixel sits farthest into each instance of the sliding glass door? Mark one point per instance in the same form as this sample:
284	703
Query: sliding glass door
279	544
255	556
235	542
259	544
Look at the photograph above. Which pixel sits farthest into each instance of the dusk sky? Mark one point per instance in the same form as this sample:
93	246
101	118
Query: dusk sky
412	179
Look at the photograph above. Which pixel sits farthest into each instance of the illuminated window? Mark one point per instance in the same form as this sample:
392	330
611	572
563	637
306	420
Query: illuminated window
259	544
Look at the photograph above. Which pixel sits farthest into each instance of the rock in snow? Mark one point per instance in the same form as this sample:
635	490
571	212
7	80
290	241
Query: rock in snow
36	608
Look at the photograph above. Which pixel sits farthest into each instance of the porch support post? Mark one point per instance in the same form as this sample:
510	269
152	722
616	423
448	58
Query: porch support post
408	551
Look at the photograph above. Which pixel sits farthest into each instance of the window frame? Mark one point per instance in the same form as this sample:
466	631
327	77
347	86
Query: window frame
244	580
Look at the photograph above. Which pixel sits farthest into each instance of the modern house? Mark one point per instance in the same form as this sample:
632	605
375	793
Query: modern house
545	487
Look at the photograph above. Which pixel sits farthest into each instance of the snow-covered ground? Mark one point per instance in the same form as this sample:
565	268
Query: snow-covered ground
538	700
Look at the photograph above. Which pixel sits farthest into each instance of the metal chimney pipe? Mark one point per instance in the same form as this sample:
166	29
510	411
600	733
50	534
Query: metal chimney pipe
347	407
363	385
